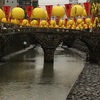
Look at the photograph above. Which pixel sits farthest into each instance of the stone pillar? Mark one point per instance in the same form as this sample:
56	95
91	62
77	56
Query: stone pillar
49	54
48	70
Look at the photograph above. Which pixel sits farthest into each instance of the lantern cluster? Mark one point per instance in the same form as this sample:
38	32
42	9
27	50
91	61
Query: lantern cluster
75	16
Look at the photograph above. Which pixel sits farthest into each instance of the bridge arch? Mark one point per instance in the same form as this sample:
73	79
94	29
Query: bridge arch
14	42
49	39
93	44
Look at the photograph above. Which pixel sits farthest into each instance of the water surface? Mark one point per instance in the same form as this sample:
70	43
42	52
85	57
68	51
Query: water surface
26	77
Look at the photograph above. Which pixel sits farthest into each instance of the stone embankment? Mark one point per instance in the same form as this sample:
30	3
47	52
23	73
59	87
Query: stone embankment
87	86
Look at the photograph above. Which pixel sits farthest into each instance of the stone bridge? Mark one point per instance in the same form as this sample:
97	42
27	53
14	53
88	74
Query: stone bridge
49	39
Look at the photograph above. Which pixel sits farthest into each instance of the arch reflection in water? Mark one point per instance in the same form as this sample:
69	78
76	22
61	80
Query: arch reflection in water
47	70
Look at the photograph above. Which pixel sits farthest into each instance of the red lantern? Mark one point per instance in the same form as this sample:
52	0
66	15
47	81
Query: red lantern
49	12
29	12
68	8
87	7
6	11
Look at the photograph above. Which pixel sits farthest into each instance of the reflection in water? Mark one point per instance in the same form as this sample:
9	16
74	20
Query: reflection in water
47	70
26	77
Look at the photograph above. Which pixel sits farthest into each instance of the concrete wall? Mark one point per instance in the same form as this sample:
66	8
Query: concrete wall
12	3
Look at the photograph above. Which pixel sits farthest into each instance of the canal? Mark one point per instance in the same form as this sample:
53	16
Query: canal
26	77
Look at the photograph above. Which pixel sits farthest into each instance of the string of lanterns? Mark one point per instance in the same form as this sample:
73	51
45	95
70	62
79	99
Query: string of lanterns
78	16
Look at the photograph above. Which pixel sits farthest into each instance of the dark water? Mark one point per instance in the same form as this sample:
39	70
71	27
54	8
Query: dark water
26	77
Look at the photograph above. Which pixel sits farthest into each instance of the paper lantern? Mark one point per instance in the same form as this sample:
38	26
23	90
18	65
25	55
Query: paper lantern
4	20
79	20
14	21
43	22
17	13
88	20
25	22
58	11
70	22
77	10
52	22
61	22
34	22
39	13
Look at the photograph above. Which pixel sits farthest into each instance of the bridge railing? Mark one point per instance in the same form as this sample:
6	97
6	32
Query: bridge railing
46	30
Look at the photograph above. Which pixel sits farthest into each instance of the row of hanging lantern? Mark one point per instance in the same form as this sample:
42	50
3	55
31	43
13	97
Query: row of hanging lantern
76	16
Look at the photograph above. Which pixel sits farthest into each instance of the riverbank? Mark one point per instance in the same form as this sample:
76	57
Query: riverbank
87	86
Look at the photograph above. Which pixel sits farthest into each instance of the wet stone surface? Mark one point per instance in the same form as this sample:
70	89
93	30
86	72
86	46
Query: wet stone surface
87	86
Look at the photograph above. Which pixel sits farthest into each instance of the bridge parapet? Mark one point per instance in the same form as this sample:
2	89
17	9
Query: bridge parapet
50	38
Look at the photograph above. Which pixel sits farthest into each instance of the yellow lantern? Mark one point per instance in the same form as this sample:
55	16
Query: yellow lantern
4	20
56	26
77	28
17	13
43	22
38	13
52	23
88	20
70	22
79	20
25	22
34	22
14	21
58	11
1	14
77	10
61	22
